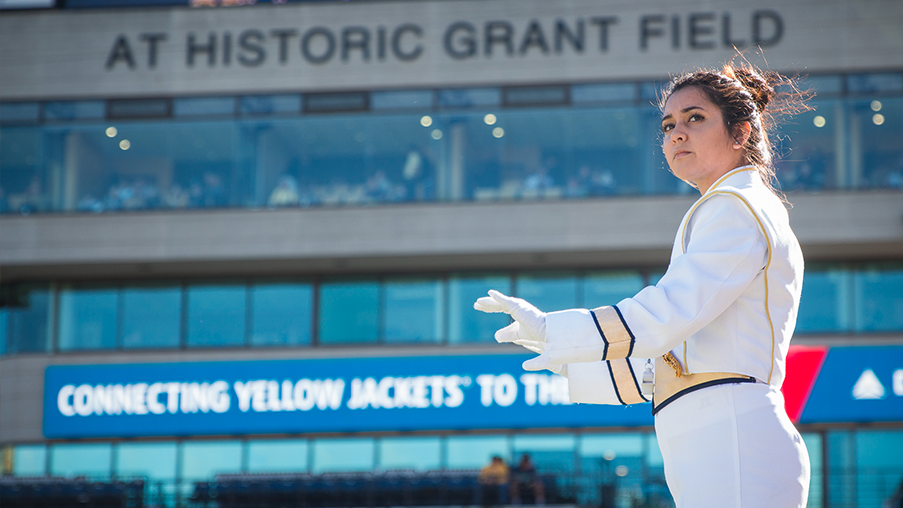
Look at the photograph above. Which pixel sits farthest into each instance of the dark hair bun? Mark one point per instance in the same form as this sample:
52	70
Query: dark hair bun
757	85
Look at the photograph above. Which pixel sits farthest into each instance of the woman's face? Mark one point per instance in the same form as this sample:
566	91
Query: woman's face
696	143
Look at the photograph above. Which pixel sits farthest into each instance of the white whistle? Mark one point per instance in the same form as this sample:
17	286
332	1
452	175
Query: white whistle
648	385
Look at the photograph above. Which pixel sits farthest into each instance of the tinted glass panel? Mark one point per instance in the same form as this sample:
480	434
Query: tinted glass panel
283	455
413	310
876	125
349	312
281	314
202	461
813	444
825	302
337	455
71	460
807	160
87	317
29	460
609	288
549	292
475	452
216	315
27	310
151	316
23	187
153	461
879	299
417	453
466	324
548	453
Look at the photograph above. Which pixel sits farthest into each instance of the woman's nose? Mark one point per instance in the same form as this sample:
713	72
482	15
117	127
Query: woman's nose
678	134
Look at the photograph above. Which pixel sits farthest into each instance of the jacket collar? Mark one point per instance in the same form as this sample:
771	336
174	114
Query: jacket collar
736	177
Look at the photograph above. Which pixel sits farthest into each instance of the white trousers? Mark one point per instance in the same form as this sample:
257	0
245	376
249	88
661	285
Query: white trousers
733	446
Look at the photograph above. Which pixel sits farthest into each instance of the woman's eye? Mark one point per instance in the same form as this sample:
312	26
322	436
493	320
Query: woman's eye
667	127
695	118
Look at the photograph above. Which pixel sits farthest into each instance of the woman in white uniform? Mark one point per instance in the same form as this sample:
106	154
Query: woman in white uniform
716	328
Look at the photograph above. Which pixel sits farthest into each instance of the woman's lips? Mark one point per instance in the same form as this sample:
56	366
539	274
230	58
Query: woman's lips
681	153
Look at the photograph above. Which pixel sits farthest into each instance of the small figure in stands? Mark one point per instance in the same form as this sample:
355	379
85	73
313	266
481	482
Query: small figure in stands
494	483
525	479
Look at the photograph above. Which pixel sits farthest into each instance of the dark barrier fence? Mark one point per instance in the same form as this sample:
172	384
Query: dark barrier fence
65	493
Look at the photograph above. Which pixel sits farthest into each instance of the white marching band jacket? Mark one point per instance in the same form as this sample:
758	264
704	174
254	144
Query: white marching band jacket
723	312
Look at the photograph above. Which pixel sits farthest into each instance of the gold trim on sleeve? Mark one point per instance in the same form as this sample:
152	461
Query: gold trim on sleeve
617	337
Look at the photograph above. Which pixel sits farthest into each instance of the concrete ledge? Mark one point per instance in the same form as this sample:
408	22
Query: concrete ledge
415	237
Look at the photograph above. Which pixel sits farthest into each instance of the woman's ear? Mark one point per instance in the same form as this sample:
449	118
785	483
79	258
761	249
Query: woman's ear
742	132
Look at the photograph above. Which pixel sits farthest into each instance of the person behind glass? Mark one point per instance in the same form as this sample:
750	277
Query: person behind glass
493	481
524	476
715	330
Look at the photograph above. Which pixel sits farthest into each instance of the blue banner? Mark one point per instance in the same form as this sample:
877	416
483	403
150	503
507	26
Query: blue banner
858	384
324	395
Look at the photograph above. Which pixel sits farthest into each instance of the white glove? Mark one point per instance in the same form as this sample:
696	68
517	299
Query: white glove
527	330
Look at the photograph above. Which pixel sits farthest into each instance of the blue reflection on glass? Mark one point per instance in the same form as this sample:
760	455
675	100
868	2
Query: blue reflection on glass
29	460
216	315
609	288
27	310
879	299
549	292
469	325
825	304
151	316
281	314
413	310
81	459
416	453
277	455
349	312
155	462
343	455
87	317
202	461
475	452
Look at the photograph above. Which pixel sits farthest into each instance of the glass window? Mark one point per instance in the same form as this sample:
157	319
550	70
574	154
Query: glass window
216	315
549	453
816	481
877	82
876	125
343	455
349	312
879	299
29	460
277	455
72	110
204	460
198	106
475	452
606	452
413	310
549	292
77	459
270	104
878	466
19	111
609	288
622	92
404	99
151	315
466	324
466	98
281	314
87	317
417	453
825	304
807	160
27	308
144	165
23	188
154	461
